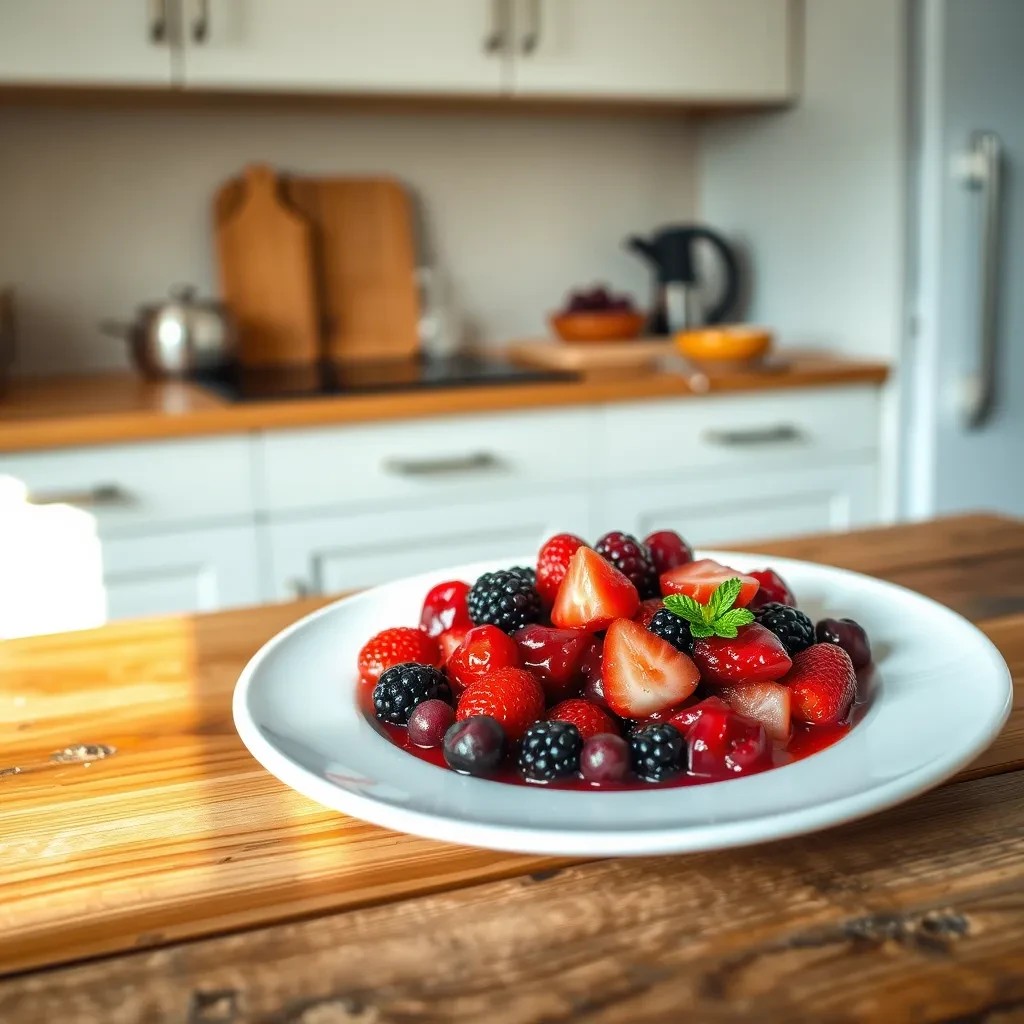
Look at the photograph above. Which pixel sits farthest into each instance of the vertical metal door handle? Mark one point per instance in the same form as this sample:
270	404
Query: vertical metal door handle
497	33
531	37
201	22
158	22
984	173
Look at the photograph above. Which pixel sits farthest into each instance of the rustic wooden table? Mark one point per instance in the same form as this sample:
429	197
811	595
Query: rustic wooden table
174	880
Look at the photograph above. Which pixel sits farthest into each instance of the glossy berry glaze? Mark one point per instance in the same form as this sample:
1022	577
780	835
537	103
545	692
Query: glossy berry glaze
804	741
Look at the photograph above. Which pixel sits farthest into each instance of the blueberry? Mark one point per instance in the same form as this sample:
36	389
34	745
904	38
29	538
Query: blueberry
475	745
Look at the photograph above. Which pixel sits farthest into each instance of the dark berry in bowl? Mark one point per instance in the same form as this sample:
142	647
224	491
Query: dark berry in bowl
632	559
605	758
672	628
772	588
475	745
429	722
849	635
403	687
790	625
550	750
657	751
504	599
668	550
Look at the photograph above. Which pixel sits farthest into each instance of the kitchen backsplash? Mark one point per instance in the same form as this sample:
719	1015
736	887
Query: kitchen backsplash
104	208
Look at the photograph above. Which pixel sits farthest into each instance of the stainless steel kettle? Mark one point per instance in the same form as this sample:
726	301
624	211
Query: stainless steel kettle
179	337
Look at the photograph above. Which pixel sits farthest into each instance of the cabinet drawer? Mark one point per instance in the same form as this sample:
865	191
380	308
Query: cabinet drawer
138	486
737	431
459	458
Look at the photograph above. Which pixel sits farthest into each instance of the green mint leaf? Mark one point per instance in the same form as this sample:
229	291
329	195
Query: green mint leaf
725	596
707	614
686	608
728	624
699	630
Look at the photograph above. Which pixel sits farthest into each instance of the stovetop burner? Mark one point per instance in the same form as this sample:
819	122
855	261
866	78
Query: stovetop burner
332	379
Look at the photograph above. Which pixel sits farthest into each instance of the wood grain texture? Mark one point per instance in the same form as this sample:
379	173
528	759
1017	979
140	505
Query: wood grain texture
265	252
180	833
915	915
116	408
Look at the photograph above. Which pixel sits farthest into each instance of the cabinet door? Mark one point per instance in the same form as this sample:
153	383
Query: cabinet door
440	46
755	506
197	571
714	50
123	42
329	554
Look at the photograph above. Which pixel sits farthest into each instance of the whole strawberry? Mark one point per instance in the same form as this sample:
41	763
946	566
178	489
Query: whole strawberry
822	685
632	559
552	563
511	696
588	718
396	646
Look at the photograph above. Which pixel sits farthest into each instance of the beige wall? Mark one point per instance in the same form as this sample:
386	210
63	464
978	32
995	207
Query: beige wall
101	209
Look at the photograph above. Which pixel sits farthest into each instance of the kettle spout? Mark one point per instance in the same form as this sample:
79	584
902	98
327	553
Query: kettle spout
643	247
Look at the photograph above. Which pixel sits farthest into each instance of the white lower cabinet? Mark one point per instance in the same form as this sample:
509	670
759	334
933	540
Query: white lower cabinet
712	509
327	554
192	571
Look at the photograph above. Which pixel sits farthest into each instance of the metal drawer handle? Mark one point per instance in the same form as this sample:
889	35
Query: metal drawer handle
473	463
100	496
784	433
158	22
201	22
531	37
494	41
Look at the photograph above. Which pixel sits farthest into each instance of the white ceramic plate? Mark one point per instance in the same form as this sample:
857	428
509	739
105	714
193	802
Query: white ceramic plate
942	695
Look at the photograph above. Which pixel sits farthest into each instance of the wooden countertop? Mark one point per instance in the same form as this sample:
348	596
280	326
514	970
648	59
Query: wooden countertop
913	914
112	408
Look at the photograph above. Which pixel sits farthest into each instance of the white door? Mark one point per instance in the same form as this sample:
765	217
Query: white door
195	571
756	506
655	49
115	42
966	442
436	46
329	554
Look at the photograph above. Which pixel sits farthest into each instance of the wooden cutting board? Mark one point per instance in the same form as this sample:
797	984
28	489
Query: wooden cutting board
265	252
617	359
365	265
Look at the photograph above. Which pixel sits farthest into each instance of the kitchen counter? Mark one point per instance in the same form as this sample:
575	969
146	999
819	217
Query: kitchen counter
146	857
111	408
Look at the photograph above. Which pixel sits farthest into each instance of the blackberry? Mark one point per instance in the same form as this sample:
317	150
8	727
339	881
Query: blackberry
549	751
403	687
526	573
656	751
790	625
672	628
504	599
632	559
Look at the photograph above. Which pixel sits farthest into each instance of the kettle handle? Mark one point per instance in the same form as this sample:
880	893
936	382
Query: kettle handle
732	276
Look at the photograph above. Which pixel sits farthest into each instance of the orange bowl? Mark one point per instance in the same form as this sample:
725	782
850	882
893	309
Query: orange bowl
731	345
615	325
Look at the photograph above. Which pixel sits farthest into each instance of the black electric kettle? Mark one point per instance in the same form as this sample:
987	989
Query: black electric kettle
677	300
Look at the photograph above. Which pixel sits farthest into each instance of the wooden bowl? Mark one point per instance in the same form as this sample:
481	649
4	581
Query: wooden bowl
614	325
731	346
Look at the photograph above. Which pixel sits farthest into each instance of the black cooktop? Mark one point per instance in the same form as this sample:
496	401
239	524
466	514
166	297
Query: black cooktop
331	379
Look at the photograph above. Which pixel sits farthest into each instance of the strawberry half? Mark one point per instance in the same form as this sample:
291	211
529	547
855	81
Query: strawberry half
767	703
699	580
553	563
642	673
754	655
593	594
823	685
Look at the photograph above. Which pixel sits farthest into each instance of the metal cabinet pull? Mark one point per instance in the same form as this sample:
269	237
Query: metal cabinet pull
158	22
531	37
984	173
201	22
784	433
497	34
472	463
100	496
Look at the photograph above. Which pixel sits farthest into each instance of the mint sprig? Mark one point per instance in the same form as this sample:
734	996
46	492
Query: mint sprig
717	617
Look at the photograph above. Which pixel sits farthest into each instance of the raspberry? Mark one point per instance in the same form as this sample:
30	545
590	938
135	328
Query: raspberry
587	717
395	647
511	696
632	559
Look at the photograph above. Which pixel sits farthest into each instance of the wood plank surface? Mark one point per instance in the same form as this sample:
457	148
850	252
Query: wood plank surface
180	833
915	915
120	408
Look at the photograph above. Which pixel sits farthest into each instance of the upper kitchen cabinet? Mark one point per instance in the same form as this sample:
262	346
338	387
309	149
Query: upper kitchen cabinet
710	51
386	46
69	42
